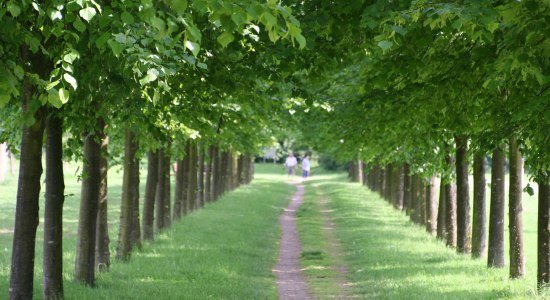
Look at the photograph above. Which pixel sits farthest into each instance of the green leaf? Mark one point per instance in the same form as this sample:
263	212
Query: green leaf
225	38
102	39
193	47
202	66
14	9
71	80
87	13
63	95
269	20
71	56
194	32
301	40
493	26
115	47
127	18
51	85
53	98
529	190
79	25
385	45
19	72
152	75
179	5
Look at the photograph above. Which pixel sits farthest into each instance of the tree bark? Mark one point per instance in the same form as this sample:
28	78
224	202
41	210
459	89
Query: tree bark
150	192
431	207
28	193
85	246
124	247
441	212
136	228
192	188
166	197
415	201
200	185
102	253
479	227
185	186
52	276
463	195
515	217
450	207
399	185
178	191
495	256
208	177
216	176
160	193
421	196
406	189
543	234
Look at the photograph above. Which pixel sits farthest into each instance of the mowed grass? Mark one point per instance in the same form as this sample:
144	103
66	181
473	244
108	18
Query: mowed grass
389	257
224	251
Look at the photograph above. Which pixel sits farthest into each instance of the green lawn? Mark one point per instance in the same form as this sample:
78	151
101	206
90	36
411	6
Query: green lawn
391	258
224	251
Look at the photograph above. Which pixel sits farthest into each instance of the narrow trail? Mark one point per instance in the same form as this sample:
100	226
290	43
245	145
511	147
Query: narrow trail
290	280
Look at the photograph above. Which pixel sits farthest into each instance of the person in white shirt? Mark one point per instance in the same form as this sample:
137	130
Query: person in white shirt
290	164
305	166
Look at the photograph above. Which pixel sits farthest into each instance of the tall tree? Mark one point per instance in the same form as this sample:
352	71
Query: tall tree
463	195
479	224
495	257
515	215
150	192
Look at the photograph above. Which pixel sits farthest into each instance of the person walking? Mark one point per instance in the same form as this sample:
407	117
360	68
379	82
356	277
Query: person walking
305	167
290	164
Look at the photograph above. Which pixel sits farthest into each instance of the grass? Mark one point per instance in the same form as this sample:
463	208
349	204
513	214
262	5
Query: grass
391	258
225	251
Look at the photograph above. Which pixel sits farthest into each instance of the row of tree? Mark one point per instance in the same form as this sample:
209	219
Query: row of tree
417	89
110	82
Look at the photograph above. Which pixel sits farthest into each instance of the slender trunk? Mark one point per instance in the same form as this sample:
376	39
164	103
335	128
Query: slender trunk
421	196
166	196
389	185
102	254
3	161
234	172
415	202
85	246
515	217
479	222
406	189
399	188
185	185
201	184
160	193
450	206
52	276
150	192
192	188
124	247
223	172
495	257
215	173
240	169
462	195
441	211
136	228
382	182
208	177
250	168
178	191
543	245
431	207
28	193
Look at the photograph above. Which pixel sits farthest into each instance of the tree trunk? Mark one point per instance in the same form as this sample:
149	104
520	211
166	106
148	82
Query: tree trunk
431	207
136	228
160	193
124	247
450	207
462	195
178	191
406	189
441	212
3	161
102	253
479	227
185	186
208	177
389	184
85	246
382	182
28	193
150	192
543	245
216	176
421	196
240	169
495	256
415	201
200	185
223	172
52	276
166	197
192	188
515	217
399	179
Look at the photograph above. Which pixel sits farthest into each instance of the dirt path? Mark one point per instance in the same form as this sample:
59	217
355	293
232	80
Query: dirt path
290	281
